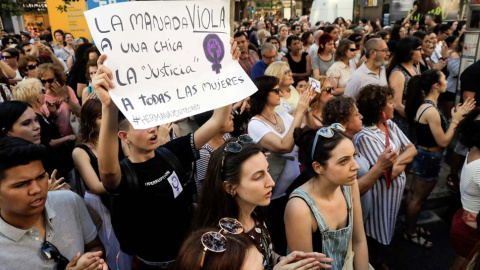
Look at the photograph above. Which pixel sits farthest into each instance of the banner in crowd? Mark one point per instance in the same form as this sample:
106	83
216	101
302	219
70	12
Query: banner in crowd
68	17
170	59
91	4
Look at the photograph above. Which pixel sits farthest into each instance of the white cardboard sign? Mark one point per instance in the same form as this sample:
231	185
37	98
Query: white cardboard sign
170	59
315	84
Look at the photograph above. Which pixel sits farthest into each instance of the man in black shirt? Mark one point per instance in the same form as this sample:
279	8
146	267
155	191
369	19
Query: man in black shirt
152	221
468	82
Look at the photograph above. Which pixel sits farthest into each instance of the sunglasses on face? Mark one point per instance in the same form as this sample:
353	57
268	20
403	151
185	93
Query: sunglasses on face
7	57
31	67
329	90
353	49
326	132
288	72
49	251
50	81
215	241
235	147
276	90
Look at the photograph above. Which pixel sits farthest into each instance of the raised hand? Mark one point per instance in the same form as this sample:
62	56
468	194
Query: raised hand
102	81
53	183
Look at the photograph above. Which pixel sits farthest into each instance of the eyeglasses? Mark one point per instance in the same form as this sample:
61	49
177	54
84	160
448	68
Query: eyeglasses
215	241
7	57
276	90
329	90
50	81
384	50
353	49
288	72
235	147
31	67
49	251
326	132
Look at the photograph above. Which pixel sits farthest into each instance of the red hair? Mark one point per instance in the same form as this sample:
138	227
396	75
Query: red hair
323	40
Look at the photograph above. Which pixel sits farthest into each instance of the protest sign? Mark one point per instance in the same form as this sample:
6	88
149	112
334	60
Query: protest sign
315	84
170	59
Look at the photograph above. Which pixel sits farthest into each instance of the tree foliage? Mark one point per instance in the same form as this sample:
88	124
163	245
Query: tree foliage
15	7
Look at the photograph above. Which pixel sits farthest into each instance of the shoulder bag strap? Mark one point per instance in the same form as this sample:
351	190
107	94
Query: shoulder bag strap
173	161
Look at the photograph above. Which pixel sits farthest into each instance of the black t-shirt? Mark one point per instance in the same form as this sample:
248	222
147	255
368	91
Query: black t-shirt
158	216
468	80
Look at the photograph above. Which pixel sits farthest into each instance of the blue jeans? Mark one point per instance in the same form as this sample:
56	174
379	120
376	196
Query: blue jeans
427	164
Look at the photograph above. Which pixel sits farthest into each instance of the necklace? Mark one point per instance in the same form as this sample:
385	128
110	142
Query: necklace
277	127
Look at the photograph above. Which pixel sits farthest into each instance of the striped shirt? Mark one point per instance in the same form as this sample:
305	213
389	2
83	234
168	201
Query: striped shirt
370	142
202	163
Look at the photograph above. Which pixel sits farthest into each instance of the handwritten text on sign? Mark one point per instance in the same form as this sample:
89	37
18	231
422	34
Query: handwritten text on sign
170	59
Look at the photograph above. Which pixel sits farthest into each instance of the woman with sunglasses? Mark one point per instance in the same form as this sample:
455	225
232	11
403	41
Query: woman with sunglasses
379	133
201	250
10	57
238	185
319	215
324	58
408	52
320	99
60	100
341	70
30	67
273	130
436	133
289	95
31	92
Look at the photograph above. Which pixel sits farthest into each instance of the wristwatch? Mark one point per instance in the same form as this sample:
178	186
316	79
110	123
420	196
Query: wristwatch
66	100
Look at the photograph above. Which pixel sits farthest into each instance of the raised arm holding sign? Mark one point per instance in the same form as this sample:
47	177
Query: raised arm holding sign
151	219
173	64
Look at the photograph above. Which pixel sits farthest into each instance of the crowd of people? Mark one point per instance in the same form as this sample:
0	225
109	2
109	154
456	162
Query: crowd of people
288	178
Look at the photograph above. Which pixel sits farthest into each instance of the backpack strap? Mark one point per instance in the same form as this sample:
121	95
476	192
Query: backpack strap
129	174
173	161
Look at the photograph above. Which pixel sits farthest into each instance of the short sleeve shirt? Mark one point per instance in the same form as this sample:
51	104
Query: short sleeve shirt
68	227
364	76
158	213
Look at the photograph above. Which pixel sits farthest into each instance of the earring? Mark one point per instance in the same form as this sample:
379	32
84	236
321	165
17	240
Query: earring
233	193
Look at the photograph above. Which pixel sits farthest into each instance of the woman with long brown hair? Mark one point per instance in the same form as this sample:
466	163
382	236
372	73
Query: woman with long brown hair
86	163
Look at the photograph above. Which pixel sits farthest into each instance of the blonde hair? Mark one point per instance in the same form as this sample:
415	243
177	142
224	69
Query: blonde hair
28	91
277	69
262	34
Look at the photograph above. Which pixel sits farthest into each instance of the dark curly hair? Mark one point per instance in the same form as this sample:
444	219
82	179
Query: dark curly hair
371	100
338	110
265	84
304	138
469	129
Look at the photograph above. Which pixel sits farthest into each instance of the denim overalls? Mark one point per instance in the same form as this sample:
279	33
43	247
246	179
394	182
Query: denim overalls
334	243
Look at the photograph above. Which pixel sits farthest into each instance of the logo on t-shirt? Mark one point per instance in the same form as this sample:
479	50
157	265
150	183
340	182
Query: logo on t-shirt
175	183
